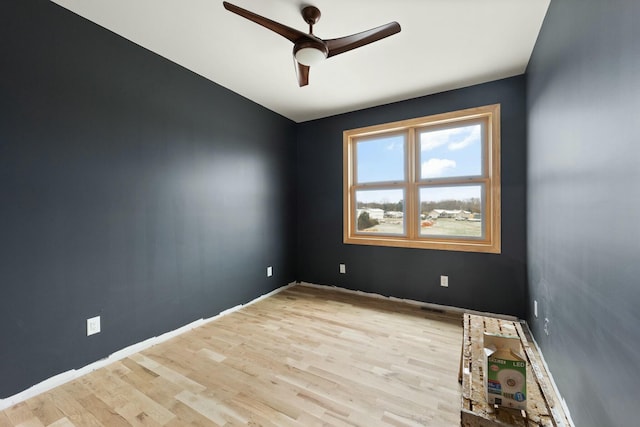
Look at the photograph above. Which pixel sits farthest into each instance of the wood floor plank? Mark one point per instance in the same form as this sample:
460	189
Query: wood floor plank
211	408
303	357
45	409
74	411
19	414
101	411
4	420
32	422
62	422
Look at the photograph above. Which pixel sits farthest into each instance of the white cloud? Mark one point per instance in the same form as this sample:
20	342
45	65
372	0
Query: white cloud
436	167
473	136
435	139
431	140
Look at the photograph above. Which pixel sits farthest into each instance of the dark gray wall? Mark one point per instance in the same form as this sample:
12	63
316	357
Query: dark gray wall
495	283
130	188
584	205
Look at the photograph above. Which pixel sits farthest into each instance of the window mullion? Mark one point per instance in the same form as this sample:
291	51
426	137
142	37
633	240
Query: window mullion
411	209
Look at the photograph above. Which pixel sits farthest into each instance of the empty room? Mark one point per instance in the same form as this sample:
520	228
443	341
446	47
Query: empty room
286	213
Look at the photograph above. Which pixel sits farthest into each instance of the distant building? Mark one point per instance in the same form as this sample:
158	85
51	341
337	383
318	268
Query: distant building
434	214
394	214
446	213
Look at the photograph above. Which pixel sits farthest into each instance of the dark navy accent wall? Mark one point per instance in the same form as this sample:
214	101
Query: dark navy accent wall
130	188
487	282
584	204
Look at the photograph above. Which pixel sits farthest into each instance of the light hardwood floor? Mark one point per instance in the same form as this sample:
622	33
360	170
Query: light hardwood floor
304	357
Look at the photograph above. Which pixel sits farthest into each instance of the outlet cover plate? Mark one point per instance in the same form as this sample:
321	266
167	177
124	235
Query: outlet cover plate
93	325
269	271
444	281
343	269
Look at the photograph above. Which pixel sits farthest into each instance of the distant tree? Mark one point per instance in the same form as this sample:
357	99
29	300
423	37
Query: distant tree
365	221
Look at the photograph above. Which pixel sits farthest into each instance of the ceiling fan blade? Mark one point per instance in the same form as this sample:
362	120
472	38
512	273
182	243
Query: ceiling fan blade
303	73
287	32
344	44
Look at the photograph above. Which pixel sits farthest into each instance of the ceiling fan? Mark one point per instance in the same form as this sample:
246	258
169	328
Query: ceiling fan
309	49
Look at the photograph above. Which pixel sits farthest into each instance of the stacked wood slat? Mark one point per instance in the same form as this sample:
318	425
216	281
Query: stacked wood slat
543	407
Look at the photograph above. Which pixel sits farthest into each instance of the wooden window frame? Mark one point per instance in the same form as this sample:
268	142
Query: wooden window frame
489	243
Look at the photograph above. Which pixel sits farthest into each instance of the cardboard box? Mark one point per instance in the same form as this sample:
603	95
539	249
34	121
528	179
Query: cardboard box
505	379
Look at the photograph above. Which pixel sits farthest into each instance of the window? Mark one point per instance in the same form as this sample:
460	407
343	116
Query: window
431	182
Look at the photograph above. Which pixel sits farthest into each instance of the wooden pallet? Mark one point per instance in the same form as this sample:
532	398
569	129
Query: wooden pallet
543	406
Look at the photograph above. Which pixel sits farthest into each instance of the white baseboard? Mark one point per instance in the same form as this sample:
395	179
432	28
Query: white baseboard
73	374
414	302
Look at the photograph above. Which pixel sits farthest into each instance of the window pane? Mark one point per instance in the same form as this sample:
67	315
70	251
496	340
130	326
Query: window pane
452	211
380	159
380	211
451	152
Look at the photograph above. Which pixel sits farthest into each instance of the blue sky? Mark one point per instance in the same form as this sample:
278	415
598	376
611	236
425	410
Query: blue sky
443	153
381	159
451	152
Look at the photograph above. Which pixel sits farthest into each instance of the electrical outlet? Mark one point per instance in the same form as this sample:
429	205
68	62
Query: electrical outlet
535	308
546	326
444	281
343	269
269	271
93	325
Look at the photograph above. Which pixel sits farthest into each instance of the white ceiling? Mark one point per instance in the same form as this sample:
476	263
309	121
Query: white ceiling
443	45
